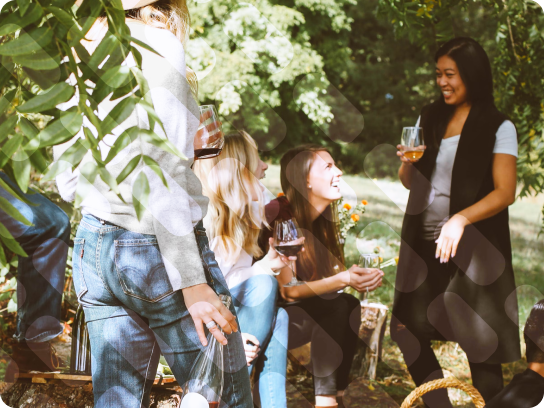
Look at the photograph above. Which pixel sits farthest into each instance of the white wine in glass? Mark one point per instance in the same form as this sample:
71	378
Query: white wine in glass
412	143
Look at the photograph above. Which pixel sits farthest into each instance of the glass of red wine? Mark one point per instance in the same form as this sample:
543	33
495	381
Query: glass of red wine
288	241
209	136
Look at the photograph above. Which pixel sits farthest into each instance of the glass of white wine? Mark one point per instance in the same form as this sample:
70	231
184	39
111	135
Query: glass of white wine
412	144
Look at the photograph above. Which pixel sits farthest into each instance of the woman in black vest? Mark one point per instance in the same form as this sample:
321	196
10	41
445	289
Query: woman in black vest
455	280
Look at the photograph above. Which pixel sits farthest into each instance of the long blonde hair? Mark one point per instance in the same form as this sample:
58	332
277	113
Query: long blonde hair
172	15
229	182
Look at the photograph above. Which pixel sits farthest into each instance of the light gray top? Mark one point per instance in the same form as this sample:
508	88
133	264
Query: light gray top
171	212
437	214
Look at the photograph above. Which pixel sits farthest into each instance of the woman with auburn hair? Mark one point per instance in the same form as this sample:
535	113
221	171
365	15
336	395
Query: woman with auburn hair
321	312
455	280
235	218
148	286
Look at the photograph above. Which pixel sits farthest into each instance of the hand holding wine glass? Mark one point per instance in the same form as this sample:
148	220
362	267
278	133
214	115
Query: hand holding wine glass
412	145
288	241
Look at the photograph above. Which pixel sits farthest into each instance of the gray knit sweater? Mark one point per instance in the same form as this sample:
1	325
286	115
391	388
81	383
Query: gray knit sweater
171	213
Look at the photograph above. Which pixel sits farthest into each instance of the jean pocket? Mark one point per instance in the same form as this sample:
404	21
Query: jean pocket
140	269
77	267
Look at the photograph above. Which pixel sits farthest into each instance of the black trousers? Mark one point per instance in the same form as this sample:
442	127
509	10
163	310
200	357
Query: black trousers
414	339
331	322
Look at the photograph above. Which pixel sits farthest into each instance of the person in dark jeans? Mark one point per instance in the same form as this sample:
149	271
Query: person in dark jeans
526	390
40	277
318	310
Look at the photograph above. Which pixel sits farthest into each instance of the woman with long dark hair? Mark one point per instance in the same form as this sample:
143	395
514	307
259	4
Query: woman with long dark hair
324	315
455	280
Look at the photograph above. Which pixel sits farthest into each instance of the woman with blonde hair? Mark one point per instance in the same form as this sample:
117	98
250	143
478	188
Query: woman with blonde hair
148	286
233	223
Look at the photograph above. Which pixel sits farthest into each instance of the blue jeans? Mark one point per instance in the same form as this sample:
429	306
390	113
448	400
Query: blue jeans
133	316
255	302
40	275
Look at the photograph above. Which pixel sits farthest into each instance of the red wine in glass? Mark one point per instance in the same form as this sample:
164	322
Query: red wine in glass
214	404
288	241
288	250
207	153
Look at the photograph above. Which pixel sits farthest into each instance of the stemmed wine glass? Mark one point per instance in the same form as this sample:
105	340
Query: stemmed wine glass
369	261
288	241
209	138
412	144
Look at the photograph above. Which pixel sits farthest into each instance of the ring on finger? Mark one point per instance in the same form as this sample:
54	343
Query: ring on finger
211	324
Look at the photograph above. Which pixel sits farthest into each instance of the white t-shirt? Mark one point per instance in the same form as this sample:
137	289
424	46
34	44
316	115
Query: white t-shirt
437	214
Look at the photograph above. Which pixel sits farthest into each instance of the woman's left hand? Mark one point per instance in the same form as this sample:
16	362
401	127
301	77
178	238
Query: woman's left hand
447	242
251	347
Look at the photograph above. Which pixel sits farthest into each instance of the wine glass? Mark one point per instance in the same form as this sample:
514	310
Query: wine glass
288	241
369	261
209	136
412	144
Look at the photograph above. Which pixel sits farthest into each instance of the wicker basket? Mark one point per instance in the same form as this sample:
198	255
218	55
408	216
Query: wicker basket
444	383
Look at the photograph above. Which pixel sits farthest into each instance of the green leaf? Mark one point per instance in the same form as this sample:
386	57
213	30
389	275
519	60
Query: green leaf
46	79
28	128
61	130
39	61
105	48
7	127
128	169
153	117
12	306
59	93
55	169
13	212
165	144
124	139
143	45
153	165
10	242
28	43
117	76
9	148
11	191
3	260
23	6
6	70
140	194
108	179
75	153
63	16
118	114
21	169
15	22
38	160
5	101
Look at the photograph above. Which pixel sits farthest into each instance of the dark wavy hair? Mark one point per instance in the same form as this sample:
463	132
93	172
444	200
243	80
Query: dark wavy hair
534	334
318	260
474	67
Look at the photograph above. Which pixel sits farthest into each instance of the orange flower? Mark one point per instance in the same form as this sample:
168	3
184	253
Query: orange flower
280	194
347	206
364	202
355	217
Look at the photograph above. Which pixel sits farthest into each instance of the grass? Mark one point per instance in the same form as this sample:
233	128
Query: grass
383	221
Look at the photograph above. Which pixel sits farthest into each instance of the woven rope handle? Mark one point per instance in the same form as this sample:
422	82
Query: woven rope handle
444	383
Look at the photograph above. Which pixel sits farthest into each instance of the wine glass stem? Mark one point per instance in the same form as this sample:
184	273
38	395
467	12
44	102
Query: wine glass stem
294	270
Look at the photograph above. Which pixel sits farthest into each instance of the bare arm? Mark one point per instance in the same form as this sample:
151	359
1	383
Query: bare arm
358	278
406	170
504	194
